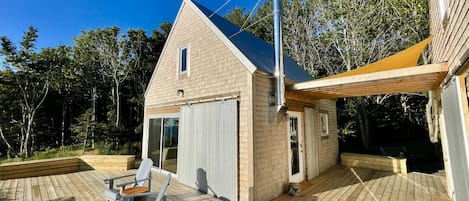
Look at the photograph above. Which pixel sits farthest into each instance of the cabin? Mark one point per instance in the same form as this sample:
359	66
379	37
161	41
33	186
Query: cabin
449	23
211	117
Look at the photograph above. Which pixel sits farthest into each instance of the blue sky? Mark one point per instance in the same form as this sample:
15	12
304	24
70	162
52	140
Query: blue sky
58	21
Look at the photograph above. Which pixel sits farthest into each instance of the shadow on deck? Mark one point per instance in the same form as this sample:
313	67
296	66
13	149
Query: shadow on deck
343	183
85	185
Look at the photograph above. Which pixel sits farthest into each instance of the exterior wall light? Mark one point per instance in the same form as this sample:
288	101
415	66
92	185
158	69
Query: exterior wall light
180	93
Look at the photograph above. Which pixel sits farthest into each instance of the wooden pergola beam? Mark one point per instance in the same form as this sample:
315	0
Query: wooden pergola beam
411	79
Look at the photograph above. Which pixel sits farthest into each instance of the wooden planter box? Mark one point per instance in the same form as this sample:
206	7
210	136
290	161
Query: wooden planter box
376	162
107	162
65	165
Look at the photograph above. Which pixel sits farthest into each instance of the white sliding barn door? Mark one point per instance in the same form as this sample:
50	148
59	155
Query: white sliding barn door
208	156
311	143
456	139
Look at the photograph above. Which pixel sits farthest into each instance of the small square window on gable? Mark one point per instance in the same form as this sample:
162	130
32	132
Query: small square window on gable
183	60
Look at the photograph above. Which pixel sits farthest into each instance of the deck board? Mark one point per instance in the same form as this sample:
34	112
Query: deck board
12	189
389	189
28	194
86	185
19	190
62	186
395	189
50	188
36	193
343	183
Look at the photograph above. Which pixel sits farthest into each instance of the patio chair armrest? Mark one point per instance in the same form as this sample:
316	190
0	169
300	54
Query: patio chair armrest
114	178
132	182
140	194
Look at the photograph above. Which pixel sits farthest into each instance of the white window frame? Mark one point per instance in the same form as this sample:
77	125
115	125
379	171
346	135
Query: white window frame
179	63
324	123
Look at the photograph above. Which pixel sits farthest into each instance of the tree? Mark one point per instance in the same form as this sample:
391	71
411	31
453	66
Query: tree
32	81
9	112
85	126
62	76
145	51
237	17
87	59
115	58
263	27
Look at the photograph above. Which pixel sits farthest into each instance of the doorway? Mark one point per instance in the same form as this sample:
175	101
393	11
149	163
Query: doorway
311	142
295	151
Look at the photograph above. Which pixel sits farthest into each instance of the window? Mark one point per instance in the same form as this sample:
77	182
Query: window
183	61
324	123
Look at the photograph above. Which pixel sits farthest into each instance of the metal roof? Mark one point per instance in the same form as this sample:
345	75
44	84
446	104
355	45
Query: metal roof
259	52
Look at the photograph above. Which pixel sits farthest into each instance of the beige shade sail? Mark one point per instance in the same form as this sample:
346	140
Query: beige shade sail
394	74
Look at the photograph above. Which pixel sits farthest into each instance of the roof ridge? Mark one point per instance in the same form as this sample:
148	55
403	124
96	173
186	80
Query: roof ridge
259	53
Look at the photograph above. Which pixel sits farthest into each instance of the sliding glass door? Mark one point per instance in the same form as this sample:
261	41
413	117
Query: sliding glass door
163	142
154	141
170	144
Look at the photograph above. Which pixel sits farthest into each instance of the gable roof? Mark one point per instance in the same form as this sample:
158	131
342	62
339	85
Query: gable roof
258	55
257	51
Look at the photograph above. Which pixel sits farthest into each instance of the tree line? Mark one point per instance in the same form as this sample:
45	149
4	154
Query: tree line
90	93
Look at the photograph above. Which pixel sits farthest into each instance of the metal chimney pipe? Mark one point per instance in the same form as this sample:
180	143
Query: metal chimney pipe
279	68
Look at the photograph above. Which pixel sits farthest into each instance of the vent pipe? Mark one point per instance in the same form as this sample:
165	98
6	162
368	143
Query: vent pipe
279	68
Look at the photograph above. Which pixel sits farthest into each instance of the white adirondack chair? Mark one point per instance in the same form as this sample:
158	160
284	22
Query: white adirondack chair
159	196
143	174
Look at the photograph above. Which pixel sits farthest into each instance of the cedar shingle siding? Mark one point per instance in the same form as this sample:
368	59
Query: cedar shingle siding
452	42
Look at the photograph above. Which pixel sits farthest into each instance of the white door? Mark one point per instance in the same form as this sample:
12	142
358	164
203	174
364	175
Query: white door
295	151
208	153
311	143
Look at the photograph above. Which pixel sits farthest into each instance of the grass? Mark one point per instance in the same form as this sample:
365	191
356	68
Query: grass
64	151
76	150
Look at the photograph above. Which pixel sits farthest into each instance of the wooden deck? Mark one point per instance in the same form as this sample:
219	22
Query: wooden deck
337	183
85	185
342	183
